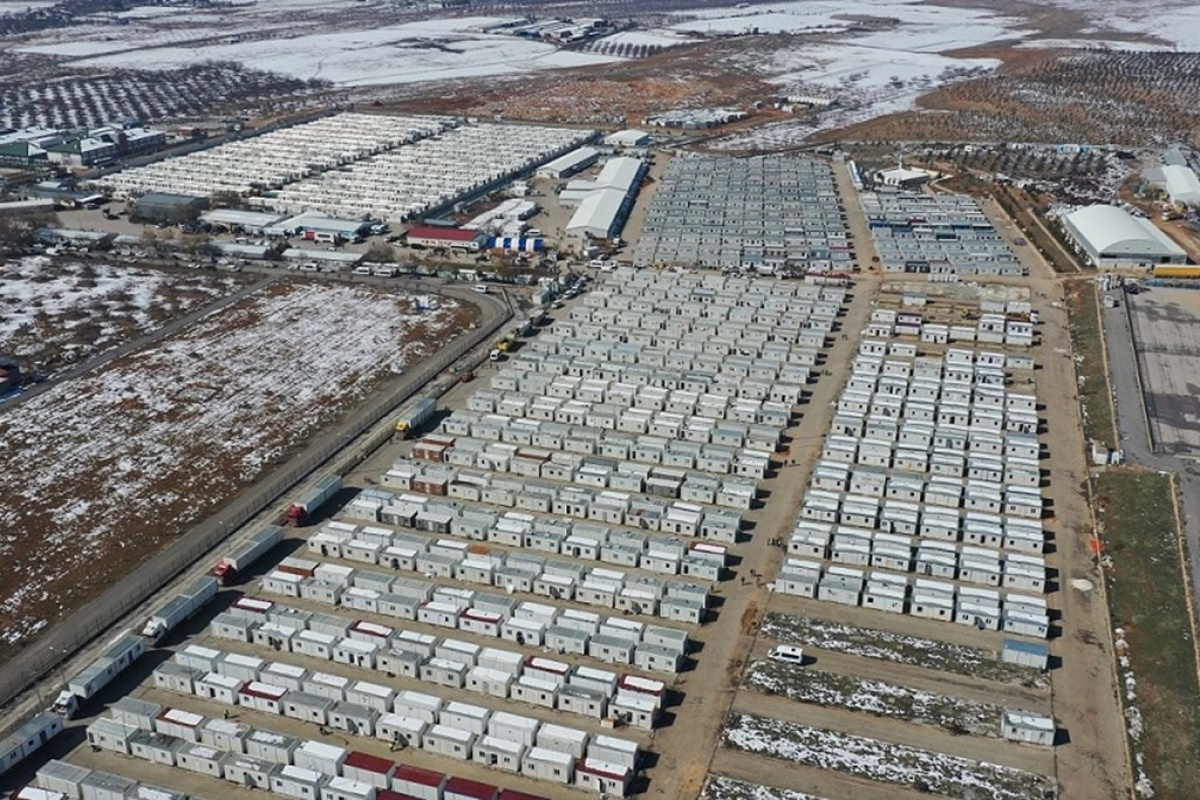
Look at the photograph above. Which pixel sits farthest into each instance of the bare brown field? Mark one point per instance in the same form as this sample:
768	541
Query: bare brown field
99	472
615	94
1104	97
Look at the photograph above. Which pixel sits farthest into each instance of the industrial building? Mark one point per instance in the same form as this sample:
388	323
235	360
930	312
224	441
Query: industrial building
450	238
1112	238
605	203
768	213
567	165
16	208
82	151
630	137
252	222
903	177
696	118
1180	183
318	227
22	154
163	207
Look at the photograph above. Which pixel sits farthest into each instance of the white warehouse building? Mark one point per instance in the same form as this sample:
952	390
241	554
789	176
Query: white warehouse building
1112	237
1181	185
606	202
567	165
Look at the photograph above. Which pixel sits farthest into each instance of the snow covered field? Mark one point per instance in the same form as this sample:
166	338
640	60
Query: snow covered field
60	313
929	27
870	72
102	471
881	761
874	697
895	647
428	50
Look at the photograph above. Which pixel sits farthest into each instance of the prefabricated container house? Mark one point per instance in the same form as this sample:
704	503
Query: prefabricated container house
353	718
296	782
319	757
345	788
106	786
548	765
447	741
251	773
59	776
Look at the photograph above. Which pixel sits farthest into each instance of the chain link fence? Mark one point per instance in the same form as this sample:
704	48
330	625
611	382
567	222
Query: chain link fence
67	637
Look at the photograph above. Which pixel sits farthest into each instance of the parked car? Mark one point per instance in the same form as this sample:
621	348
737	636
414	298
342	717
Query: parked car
787	654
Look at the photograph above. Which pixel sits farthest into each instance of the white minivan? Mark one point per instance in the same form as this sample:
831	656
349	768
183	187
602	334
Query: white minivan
787	653
481	288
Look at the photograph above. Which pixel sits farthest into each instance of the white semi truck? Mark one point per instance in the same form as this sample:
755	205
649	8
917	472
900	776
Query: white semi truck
180	608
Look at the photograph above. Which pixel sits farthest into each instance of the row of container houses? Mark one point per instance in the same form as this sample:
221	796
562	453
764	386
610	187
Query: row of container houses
978	606
921	233
539	572
427	175
769	212
275	158
382	647
1010	330
309	769
615	640
927	498
672	550
691	515
60	780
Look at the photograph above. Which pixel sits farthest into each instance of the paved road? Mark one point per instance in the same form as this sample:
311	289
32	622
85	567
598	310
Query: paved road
97	361
43	656
1135	434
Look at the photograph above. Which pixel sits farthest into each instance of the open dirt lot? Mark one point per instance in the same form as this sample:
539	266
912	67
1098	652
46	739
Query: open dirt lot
104	470
1163	321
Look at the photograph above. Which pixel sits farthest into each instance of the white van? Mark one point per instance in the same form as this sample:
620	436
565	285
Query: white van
362	271
481	288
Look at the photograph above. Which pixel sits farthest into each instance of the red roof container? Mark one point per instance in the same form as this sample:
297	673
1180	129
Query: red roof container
513	794
370	763
473	789
447	234
424	777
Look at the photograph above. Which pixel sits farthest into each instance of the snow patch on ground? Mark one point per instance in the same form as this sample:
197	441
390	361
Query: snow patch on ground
132	454
428	50
721	788
881	761
874	697
895	647
79	308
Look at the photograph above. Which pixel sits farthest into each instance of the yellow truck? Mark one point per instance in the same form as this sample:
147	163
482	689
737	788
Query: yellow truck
416	416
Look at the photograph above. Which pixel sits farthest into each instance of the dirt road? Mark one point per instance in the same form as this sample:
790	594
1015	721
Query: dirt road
687	750
1092	760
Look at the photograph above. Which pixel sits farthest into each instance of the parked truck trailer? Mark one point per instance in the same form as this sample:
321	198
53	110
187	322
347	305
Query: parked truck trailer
314	498
180	608
245	554
116	658
417	415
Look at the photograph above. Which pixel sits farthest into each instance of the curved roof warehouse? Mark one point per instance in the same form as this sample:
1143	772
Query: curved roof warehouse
1112	237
